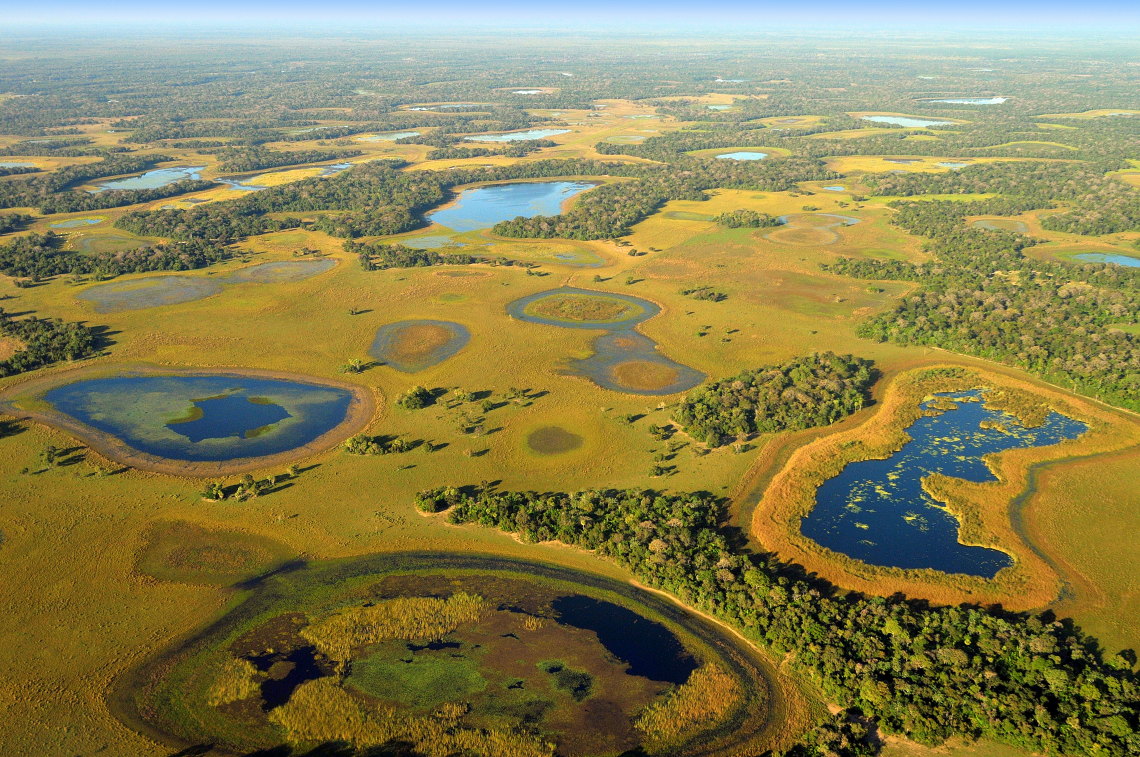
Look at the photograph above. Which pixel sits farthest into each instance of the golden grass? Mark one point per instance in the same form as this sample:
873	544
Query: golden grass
709	695
411	618
237	680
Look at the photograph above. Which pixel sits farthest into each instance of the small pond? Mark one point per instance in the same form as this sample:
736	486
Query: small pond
483	207
906	121
159	177
836	188
953	165
430	242
623	359
527	92
877	511
75	223
16	164
969	100
719	107
517	136
1000	224
743	155
411	346
1108	257
209	417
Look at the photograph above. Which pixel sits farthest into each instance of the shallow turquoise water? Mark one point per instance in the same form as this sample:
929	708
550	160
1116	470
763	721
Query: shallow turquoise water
386	346
1107	257
906	121
517	136
159	177
619	344
238	416
877	511
743	155
970	100
836	188
15	164
483	207
75	223
719	107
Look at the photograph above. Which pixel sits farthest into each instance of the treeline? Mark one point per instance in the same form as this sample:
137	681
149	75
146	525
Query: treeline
1101	204
10	222
813	390
241	160
40	256
982	296
44	341
377	257
926	672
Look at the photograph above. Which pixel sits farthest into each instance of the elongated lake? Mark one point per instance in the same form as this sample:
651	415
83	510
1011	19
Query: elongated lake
517	136
483	207
623	360
906	121
208	417
1108	257
159	177
877	511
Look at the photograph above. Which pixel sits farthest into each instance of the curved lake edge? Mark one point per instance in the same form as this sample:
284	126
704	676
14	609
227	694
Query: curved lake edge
787	493
454	194
361	411
762	680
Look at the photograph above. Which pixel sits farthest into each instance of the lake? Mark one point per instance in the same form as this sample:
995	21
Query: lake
208	417
1108	257
483	207
743	155
75	223
517	136
388	137
969	100
906	121
159	177
877	511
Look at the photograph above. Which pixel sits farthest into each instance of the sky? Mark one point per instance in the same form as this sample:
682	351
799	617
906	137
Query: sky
1121	17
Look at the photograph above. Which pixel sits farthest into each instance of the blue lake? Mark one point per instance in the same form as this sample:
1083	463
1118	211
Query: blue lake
836	188
16	164
969	100
623	359
719	107
483	207
906	121
877	511
1107	257
75	223
743	155
204	417
517	136
953	165
159	177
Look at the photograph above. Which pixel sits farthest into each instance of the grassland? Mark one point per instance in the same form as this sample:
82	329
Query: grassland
125	561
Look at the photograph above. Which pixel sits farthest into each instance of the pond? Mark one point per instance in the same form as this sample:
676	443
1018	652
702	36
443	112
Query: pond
877	510
207	417
527	92
836	188
172	289
388	137
517	136
969	100
1000	224
411	346
75	223
16	164
719	107
906	121
623	359
240	183
743	155
159	177
533	653
1108	257
483	207
431	242
953	165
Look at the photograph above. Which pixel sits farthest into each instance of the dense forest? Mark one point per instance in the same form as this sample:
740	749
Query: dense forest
41	256
43	341
926	672
983	296
813	390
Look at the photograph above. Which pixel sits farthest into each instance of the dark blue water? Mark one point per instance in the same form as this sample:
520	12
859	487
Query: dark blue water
142	412
651	650
483	207
229	415
396	346
876	510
